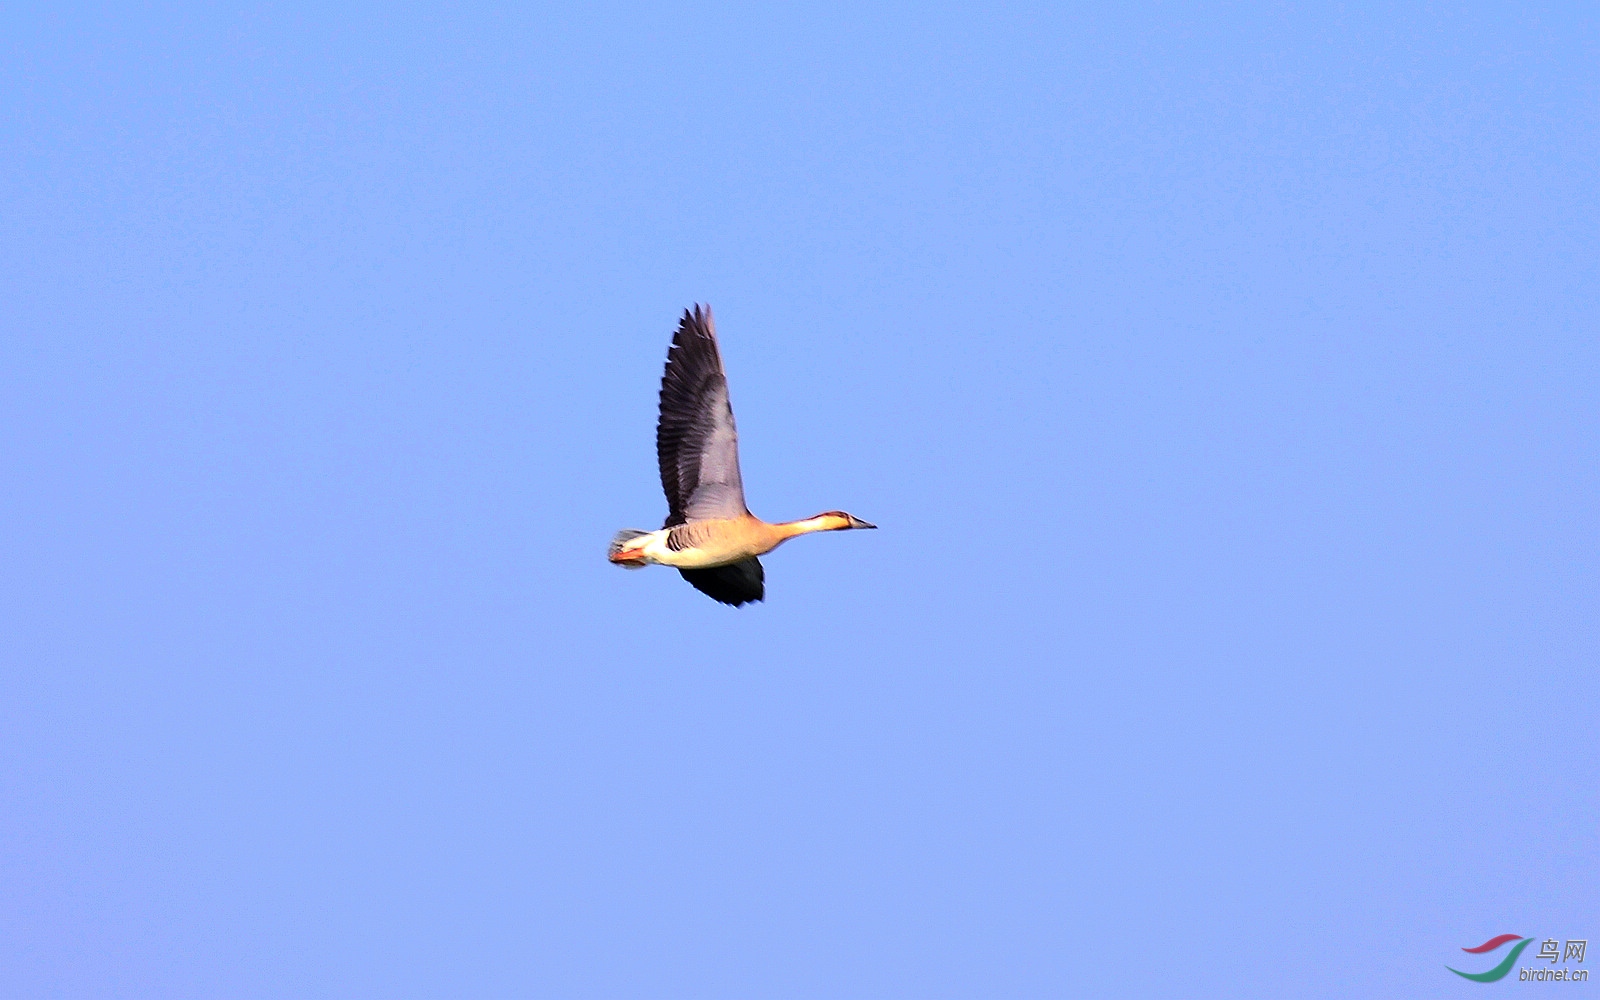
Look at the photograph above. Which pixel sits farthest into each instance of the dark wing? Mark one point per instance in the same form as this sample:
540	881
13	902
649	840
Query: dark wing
735	583
696	442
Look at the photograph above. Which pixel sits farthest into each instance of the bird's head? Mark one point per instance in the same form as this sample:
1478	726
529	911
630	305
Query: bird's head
838	520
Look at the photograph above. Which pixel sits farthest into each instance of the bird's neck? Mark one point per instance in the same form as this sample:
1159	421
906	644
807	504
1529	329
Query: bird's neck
822	522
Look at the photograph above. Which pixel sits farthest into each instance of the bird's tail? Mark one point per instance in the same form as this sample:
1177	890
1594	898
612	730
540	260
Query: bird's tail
619	539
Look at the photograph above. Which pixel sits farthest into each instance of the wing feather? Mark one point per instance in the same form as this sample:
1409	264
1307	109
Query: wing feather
736	583
696	441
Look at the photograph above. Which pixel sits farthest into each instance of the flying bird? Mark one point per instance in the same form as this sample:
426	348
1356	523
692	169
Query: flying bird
710	535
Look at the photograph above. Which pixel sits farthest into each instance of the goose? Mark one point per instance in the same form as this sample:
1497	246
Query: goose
710	536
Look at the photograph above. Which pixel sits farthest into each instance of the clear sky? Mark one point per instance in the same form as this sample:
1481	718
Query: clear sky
1224	382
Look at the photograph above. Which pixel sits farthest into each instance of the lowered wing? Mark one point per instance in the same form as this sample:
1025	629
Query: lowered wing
735	584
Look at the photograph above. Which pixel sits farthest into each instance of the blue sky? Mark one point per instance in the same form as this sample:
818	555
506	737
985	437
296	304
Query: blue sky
1223	382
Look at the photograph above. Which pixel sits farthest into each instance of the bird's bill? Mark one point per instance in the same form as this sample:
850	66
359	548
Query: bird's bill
856	522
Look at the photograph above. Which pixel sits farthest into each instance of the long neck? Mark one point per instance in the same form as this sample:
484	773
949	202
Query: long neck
822	522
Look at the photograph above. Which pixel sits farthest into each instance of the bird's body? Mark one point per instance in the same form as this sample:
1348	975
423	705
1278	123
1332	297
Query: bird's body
718	542
710	536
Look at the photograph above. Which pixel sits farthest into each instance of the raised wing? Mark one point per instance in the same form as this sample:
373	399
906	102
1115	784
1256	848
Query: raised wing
735	584
696	442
